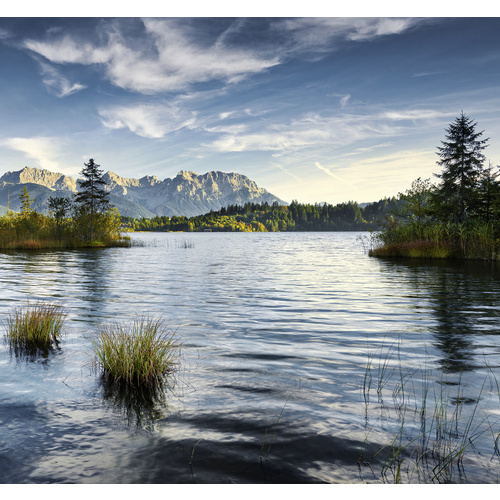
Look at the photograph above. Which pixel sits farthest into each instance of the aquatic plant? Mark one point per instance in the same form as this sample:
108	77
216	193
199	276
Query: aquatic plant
141	354
35	326
435	427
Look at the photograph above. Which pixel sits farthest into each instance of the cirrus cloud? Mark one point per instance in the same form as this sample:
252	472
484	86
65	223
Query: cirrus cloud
147	120
58	84
165	58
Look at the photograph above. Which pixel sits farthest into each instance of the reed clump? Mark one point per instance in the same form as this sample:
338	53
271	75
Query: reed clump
435	425
36	326
139	355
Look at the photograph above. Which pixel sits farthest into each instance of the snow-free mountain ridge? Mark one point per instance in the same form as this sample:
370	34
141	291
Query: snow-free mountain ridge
186	194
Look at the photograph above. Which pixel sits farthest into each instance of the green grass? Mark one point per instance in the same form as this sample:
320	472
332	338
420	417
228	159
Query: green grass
35	326
140	355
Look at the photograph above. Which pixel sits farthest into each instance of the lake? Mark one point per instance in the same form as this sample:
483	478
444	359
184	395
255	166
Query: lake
303	361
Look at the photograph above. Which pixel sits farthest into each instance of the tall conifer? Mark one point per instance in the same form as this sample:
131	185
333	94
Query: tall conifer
462	160
92	197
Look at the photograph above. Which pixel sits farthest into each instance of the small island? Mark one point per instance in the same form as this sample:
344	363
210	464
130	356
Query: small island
459	217
87	221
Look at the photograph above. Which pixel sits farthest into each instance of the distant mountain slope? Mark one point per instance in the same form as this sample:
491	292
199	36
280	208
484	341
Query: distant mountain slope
9	194
40	176
186	194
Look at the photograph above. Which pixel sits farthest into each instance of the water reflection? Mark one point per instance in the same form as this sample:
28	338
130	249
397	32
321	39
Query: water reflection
30	354
141	406
458	295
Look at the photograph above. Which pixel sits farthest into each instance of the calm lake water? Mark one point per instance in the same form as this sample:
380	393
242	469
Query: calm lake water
302	359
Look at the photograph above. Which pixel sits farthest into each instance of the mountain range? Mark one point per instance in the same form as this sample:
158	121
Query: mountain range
186	194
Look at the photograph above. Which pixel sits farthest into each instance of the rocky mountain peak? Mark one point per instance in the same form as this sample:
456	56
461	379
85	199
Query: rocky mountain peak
187	175
52	180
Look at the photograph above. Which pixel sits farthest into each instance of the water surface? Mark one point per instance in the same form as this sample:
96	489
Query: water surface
285	336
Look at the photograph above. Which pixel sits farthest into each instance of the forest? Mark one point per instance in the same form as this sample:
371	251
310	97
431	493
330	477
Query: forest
253	217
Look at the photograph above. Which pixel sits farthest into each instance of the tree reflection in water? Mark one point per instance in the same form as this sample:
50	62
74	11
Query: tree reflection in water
458	296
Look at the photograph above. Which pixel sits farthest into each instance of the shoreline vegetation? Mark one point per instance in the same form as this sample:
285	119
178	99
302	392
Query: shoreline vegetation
458	218
35	231
87	221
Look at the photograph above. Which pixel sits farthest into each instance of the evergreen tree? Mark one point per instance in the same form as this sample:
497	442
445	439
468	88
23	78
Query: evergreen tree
92	198
489	194
26	202
462	160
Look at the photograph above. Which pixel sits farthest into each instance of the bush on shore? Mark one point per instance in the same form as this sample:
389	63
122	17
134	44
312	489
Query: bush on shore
34	231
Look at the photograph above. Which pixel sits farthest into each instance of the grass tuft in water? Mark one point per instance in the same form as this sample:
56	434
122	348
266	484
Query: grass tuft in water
35	326
140	355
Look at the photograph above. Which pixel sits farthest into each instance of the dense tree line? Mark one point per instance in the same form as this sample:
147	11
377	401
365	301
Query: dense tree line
274	217
459	216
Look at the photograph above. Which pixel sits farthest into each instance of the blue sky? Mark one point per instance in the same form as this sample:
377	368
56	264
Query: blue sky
315	109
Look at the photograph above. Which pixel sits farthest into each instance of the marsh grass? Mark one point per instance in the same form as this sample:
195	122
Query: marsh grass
139	355
437	240
434	423
36	326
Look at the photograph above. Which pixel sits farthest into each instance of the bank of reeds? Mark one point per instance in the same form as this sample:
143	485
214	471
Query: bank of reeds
139	355
35	326
435	423
438	240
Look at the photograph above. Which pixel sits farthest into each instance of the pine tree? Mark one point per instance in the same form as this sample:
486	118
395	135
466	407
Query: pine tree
92	197
462	160
489	194
26	202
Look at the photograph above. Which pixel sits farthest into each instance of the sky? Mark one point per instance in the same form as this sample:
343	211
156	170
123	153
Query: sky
316	109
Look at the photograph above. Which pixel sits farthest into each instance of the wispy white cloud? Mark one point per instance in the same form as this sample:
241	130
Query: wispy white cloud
335	176
416	114
365	150
311	130
287	171
4	34
170	56
152	121
67	50
58	84
43	150
344	100
175	62
427	73
227	128
319	34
